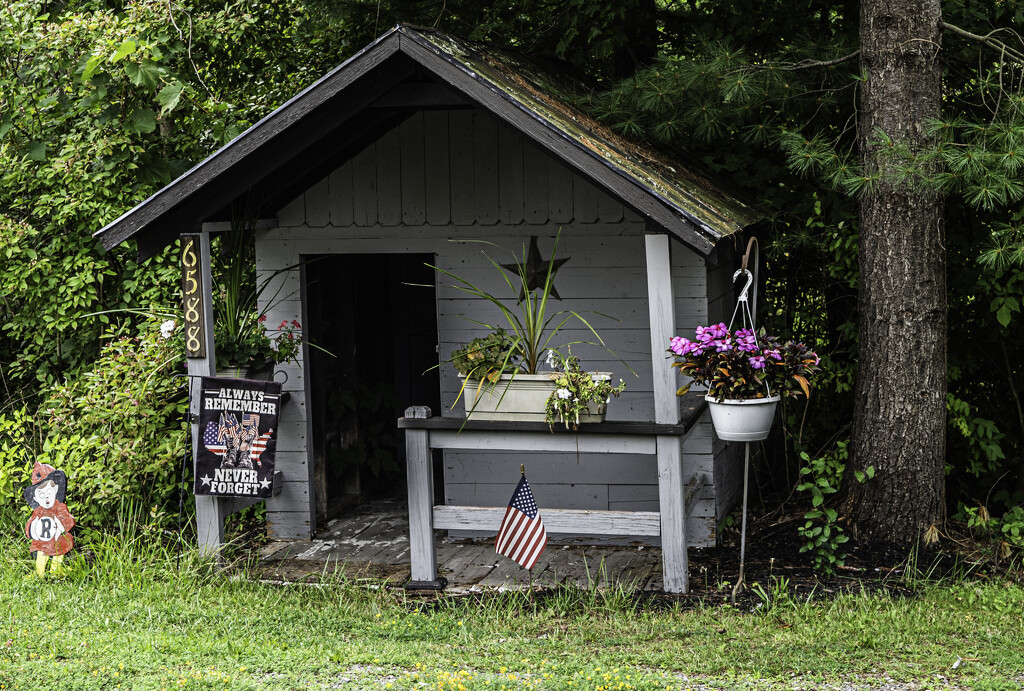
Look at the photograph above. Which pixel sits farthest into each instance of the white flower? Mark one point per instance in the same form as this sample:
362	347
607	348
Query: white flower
167	328
550	360
563	393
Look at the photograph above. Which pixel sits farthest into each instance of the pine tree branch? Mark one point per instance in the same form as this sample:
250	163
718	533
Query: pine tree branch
987	40
806	64
809	64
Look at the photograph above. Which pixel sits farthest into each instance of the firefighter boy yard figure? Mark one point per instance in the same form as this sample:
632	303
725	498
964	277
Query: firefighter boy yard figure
50	524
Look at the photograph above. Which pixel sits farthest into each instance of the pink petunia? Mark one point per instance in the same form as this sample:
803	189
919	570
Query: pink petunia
678	344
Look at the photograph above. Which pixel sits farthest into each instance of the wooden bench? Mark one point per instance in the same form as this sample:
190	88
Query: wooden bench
676	494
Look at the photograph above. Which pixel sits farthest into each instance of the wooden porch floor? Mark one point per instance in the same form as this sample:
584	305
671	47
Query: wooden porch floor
372	542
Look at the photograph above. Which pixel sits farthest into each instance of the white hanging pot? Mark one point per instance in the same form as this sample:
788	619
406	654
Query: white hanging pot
746	419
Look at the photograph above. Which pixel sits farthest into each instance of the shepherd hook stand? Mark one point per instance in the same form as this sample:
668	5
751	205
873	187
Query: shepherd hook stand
747	313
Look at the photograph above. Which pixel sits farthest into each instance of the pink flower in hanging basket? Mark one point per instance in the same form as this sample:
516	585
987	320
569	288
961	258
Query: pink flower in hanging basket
744	364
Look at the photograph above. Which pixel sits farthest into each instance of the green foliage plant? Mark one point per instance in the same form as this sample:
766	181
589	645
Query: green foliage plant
577	392
486	357
822	533
1007	531
117	430
100	105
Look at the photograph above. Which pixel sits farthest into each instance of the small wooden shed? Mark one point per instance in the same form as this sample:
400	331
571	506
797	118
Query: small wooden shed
405	155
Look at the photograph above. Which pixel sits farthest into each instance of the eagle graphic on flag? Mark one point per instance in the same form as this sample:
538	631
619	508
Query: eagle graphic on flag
522	536
238	444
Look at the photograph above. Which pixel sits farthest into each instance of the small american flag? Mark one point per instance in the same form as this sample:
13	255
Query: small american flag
522	536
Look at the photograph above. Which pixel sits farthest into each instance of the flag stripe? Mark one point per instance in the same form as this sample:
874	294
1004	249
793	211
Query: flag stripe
521	536
520	530
505	531
517	523
530	552
529	542
530	557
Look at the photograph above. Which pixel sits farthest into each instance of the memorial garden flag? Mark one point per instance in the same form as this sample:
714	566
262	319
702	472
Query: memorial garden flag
522	537
237	421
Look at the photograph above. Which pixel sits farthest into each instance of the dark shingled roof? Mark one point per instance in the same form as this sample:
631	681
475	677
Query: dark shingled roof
315	131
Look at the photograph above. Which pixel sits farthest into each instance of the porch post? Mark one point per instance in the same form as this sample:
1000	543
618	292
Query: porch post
661	304
420	477
210	511
661	307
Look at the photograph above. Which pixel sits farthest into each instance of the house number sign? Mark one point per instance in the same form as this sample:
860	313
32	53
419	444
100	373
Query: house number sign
192	297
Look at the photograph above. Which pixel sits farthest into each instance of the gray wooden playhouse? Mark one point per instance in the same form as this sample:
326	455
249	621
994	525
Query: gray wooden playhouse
408	153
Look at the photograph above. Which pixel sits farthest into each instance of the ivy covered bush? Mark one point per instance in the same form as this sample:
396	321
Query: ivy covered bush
117	429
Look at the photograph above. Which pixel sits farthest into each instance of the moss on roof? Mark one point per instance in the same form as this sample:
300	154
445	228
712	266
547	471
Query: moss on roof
547	95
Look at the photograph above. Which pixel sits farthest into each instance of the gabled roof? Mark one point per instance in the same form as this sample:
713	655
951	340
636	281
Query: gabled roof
409	69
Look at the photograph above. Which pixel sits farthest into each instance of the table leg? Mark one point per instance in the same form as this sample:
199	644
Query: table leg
420	475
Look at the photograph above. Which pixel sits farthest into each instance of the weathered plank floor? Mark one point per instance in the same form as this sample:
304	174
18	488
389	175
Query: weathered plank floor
372	542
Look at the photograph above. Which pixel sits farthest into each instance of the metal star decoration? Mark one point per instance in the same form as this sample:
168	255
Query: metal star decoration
535	270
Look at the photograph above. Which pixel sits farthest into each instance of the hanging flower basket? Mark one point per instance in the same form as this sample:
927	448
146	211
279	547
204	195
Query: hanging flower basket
745	419
739	368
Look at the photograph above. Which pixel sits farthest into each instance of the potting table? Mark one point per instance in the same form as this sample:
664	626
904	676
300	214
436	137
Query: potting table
424	433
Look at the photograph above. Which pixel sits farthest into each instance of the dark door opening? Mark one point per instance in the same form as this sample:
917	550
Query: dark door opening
381	333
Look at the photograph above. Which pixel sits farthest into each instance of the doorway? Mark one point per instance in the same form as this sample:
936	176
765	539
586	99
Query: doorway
373	323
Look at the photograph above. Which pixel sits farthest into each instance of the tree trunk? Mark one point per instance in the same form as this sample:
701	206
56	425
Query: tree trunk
899	423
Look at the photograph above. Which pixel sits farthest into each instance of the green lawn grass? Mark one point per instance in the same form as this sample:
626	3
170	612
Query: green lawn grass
137	617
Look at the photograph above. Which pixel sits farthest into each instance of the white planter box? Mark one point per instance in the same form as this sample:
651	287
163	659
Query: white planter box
519	399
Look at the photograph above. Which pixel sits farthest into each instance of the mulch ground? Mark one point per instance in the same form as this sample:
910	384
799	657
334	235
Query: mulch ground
774	560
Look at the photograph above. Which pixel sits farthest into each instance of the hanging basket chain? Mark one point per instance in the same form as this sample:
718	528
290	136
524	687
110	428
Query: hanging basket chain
748	297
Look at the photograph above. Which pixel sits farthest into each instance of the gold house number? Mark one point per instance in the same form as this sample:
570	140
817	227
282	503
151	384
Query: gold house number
192	298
